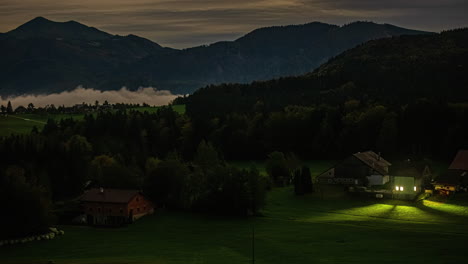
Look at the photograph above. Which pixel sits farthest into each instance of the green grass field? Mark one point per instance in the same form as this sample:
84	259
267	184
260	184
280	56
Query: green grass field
293	229
24	123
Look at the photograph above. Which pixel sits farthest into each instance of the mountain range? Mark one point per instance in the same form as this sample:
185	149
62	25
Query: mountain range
43	56
392	71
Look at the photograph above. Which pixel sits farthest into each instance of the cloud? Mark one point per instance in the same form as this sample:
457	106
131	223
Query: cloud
186	23
147	95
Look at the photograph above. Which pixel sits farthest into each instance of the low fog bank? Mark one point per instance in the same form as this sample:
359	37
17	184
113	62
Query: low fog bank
147	95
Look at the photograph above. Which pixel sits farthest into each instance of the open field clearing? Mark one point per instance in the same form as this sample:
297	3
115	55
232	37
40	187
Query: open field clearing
24	123
292	230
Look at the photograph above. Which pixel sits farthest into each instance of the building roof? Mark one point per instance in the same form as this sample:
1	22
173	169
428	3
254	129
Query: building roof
108	195
373	160
453	177
460	162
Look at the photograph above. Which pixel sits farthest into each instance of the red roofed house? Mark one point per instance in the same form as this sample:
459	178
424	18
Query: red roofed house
460	162
456	177
114	207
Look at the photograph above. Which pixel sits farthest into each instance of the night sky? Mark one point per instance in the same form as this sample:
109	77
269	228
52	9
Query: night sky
185	23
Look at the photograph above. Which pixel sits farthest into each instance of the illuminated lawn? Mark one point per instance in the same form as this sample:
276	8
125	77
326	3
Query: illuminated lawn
292	230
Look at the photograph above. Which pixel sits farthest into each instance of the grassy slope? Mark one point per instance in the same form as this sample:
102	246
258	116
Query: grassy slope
316	167
23	123
293	230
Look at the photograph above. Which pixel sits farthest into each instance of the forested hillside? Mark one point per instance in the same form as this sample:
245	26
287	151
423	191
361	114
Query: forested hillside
404	96
393	71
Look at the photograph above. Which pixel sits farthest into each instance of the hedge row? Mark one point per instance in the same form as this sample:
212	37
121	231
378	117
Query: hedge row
47	236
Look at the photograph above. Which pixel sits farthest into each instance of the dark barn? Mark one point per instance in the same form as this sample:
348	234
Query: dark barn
114	207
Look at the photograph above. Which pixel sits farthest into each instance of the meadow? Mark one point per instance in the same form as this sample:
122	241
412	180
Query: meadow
305	229
24	123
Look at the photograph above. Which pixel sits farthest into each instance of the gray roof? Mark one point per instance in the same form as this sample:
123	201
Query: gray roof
373	160
108	195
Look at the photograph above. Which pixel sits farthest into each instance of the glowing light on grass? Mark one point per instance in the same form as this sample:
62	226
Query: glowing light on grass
399	211
447	208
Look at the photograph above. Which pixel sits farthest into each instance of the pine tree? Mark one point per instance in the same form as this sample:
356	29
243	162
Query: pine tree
9	108
307	180
298	183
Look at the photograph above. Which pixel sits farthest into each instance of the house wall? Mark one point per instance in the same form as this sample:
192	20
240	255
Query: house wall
378	179
408	184
139	207
117	213
106	209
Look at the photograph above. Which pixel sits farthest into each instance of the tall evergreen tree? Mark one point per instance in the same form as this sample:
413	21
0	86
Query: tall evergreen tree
9	108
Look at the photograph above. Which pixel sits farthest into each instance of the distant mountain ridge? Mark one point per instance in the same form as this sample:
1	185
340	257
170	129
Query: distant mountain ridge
44	28
42	56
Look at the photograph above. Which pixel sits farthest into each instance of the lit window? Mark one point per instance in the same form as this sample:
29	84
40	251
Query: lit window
414	188
397	188
401	188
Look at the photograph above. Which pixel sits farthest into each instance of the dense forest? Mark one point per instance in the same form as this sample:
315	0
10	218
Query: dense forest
180	162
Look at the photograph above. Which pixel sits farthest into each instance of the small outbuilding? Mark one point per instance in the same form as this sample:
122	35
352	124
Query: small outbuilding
410	178
114	207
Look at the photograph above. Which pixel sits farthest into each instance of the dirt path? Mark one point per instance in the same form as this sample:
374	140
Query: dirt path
29	120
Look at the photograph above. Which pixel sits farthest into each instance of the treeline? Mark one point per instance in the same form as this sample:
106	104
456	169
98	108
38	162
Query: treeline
423	128
62	109
152	152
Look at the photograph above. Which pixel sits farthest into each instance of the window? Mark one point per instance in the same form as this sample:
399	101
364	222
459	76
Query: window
138	209
121	210
99	209
90	209
144	208
138	199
